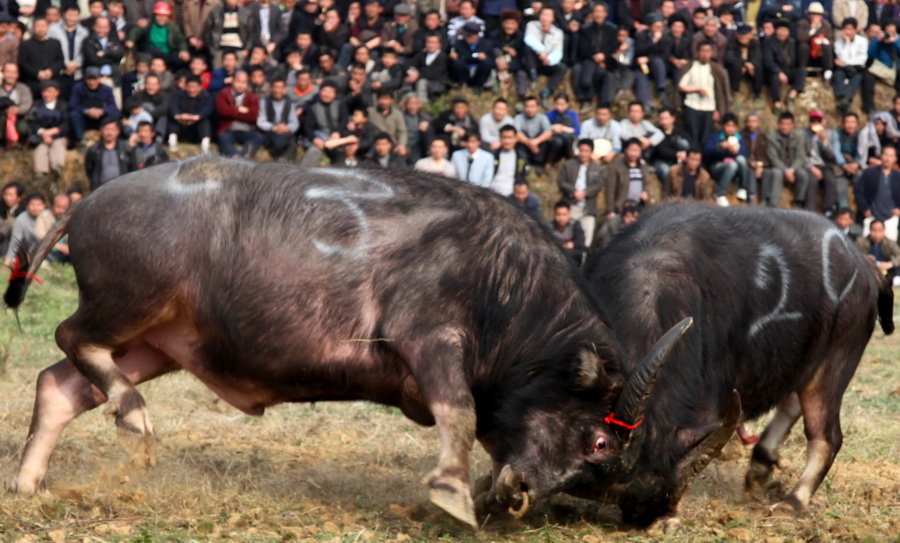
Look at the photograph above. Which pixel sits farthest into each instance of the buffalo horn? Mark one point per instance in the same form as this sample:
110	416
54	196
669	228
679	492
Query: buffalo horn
630	405
708	449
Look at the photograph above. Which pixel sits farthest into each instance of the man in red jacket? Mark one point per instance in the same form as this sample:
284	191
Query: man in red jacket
238	109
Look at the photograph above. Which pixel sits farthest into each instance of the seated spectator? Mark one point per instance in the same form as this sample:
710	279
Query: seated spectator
384	156
155	101
278	122
387	75
611	227
510	162
626	179
431	26
258	83
104	50
535	134
133	81
623	72
815	40
351	157
544	51
223	77
606	133
110	157
397	35
166	77
160	37
134	115
650	61
786	154
386	118
145	149
75	195
673	147
568	232
359	88
879	132
780	63
200	68
851	54
845	143
597	47
471	58
878	194
15	105
689	180
9	42
367	29
418	128
428	69
91	102
524	199
95	11
228	29
844	221
40	58
472	163
710	34
876	246
237	109
329	70
22	236
564	123
637	127
437	161
755	144
333	36
49	127
508	42
677	45
115	12
360	128
883	48
190	111
10	206
743	58
580	181
821	163
466	16
454	123
725	155
45	222
323	125
490	123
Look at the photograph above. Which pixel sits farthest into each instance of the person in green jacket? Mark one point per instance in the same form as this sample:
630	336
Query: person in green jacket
161	38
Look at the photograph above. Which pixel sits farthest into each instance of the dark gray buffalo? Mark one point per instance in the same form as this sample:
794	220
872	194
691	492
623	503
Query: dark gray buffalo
272	283
783	305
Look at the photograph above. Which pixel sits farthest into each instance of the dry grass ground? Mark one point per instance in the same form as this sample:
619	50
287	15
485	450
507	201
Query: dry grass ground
349	472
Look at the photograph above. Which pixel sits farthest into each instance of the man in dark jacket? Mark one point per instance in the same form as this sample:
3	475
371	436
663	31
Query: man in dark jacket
428	69
49	129
780	63
278	122
878	192
40	58
472	58
596	51
786	155
189	115
508	42
146	151
90	103
155	101
580	180
568	232
237	110
104	50
108	158
744	58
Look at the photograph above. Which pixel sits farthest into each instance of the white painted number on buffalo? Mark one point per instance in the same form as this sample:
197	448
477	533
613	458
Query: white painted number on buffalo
827	279
771	261
349	198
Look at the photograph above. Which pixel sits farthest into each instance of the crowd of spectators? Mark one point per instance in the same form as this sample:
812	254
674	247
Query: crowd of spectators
351	81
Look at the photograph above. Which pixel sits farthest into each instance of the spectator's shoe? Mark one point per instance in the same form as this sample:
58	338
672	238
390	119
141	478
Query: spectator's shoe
827	75
173	142
587	106
752	199
545	99
896	281
742	195
722	201
204	145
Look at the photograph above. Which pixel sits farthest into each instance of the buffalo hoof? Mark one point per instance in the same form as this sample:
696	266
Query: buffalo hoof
25	487
667	526
452	495
788	507
135	435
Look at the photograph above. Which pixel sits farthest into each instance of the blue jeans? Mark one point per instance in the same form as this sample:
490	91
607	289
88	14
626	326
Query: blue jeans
251	142
724	173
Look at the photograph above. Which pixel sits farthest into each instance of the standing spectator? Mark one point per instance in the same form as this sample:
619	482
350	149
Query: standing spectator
49	128
104	50
427	70
418	128
160	37
606	133
568	232
755	143
821	163
743	58
535	134
190	111
673	147
472	58
228	29
384	156
146	150
689	180
490	123
843	9
237	109
815	39
845	142
726	158
453	124
524	199
109	158
40	58
510	162
71	35
626	179
780	63
265	24
466	16
596	49
635	126
544	51
324	124
23	237
852	51
580	181
437	161
472	163
278	122
194	14
878	194
786	154
15	104
91	102
386	118
700	104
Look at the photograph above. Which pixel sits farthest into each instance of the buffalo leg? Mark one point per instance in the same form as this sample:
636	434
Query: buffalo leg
63	393
765	453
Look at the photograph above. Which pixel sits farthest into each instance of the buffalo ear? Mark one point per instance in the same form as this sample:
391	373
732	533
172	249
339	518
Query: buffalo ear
591	374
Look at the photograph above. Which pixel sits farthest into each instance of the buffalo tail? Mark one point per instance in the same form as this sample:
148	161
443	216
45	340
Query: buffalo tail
886	305
26	267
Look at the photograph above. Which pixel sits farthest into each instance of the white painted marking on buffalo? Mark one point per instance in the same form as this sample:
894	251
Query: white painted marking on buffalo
833	295
349	198
770	256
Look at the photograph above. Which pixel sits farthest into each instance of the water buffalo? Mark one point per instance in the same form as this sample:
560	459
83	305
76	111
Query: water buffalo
783	305
273	283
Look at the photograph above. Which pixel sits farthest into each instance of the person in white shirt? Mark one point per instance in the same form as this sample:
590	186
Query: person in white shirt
851	52
437	162
473	164
467	11
605	129
490	123
510	163
698	85
544	51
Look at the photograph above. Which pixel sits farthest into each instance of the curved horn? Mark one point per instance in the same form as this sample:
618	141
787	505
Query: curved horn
708	449
630	405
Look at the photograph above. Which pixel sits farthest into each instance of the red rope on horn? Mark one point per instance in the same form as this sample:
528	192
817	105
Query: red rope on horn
611	419
18	274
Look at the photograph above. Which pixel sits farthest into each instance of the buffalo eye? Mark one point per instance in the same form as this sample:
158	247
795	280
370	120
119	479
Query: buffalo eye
600	444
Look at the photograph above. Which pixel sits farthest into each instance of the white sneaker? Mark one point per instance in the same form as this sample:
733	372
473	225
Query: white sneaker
742	195
722	201
896	281
827	75
173	142
204	145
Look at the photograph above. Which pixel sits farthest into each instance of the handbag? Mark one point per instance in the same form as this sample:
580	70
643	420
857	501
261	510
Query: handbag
882	71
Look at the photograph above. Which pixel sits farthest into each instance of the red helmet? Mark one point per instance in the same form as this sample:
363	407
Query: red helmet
162	8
